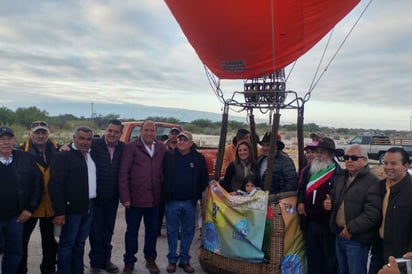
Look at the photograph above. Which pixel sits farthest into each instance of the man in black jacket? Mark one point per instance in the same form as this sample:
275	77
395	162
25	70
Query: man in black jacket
356	206
284	175
72	189
42	149
21	188
185	177
395	232
106	152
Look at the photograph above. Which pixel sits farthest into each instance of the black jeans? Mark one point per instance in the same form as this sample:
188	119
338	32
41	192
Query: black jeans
48	243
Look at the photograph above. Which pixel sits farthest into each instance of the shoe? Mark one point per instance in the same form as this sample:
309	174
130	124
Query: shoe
94	270
171	268
151	265
111	267
187	268
128	269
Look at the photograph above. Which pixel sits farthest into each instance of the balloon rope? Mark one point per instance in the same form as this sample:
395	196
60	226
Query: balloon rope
307	96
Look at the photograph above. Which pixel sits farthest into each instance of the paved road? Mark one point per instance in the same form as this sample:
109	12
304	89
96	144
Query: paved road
118	250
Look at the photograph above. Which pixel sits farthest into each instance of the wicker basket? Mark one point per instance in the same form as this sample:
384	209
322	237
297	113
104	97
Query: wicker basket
214	263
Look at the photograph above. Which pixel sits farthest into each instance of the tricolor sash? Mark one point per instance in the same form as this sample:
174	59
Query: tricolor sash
319	178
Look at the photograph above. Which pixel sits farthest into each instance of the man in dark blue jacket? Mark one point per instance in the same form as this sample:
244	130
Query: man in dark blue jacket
185	177
21	188
106	152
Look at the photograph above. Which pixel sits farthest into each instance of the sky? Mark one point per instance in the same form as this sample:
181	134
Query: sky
133	51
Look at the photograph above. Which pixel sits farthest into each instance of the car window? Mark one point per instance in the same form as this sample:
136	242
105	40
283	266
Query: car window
135	133
162	132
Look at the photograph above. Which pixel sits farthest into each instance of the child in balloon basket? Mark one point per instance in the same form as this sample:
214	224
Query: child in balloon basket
249	186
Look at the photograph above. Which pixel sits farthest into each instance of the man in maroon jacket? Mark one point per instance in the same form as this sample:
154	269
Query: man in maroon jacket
140	189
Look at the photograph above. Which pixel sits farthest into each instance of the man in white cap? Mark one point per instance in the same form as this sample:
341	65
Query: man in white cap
42	149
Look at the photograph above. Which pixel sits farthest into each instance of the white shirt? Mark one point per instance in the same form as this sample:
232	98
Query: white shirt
150	149
91	172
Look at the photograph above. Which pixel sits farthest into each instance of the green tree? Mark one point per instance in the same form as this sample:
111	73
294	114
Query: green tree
25	116
7	116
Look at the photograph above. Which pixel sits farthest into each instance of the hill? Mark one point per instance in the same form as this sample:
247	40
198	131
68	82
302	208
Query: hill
130	111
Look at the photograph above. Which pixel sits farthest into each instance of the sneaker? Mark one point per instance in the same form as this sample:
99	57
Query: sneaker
187	268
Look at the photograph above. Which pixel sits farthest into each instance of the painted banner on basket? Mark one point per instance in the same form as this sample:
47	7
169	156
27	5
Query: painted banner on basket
234	225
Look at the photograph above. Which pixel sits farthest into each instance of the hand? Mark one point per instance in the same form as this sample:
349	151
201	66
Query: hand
213	182
301	209
126	204
327	203
59	220
391	267
345	234
407	255
233	193
64	147
24	216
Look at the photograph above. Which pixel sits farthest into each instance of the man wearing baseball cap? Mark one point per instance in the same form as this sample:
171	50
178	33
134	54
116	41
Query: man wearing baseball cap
42	150
185	177
171	144
19	197
171	141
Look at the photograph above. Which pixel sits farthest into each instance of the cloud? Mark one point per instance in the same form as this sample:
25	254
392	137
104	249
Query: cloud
134	52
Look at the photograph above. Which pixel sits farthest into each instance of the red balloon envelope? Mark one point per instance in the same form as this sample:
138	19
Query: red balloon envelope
235	38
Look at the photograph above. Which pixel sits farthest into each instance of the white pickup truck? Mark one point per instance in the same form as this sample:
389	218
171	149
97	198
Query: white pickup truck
377	145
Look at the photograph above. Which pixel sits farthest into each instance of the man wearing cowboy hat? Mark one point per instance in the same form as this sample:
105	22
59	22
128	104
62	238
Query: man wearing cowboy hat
317	182
284	175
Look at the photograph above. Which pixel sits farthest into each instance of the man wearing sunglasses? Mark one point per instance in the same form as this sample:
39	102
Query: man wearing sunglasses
356	205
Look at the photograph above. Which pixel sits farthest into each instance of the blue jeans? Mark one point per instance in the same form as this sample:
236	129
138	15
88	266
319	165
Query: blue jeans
73	237
12	233
101	232
320	249
180	214
352	256
134	217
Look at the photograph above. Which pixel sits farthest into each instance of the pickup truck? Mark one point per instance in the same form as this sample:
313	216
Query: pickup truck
377	145
131	130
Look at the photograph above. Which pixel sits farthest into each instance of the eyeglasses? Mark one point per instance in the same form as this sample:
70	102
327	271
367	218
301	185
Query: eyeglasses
352	157
39	123
6	139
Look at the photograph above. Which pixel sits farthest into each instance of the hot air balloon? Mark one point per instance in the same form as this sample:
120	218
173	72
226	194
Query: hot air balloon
254	41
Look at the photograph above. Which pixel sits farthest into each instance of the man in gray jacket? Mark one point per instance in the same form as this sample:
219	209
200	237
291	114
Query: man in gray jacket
356	212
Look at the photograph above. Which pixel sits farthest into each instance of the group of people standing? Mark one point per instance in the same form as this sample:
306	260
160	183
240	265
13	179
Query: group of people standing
348	214
351	220
74	190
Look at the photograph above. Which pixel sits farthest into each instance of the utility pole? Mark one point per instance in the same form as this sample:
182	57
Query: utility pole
92	109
